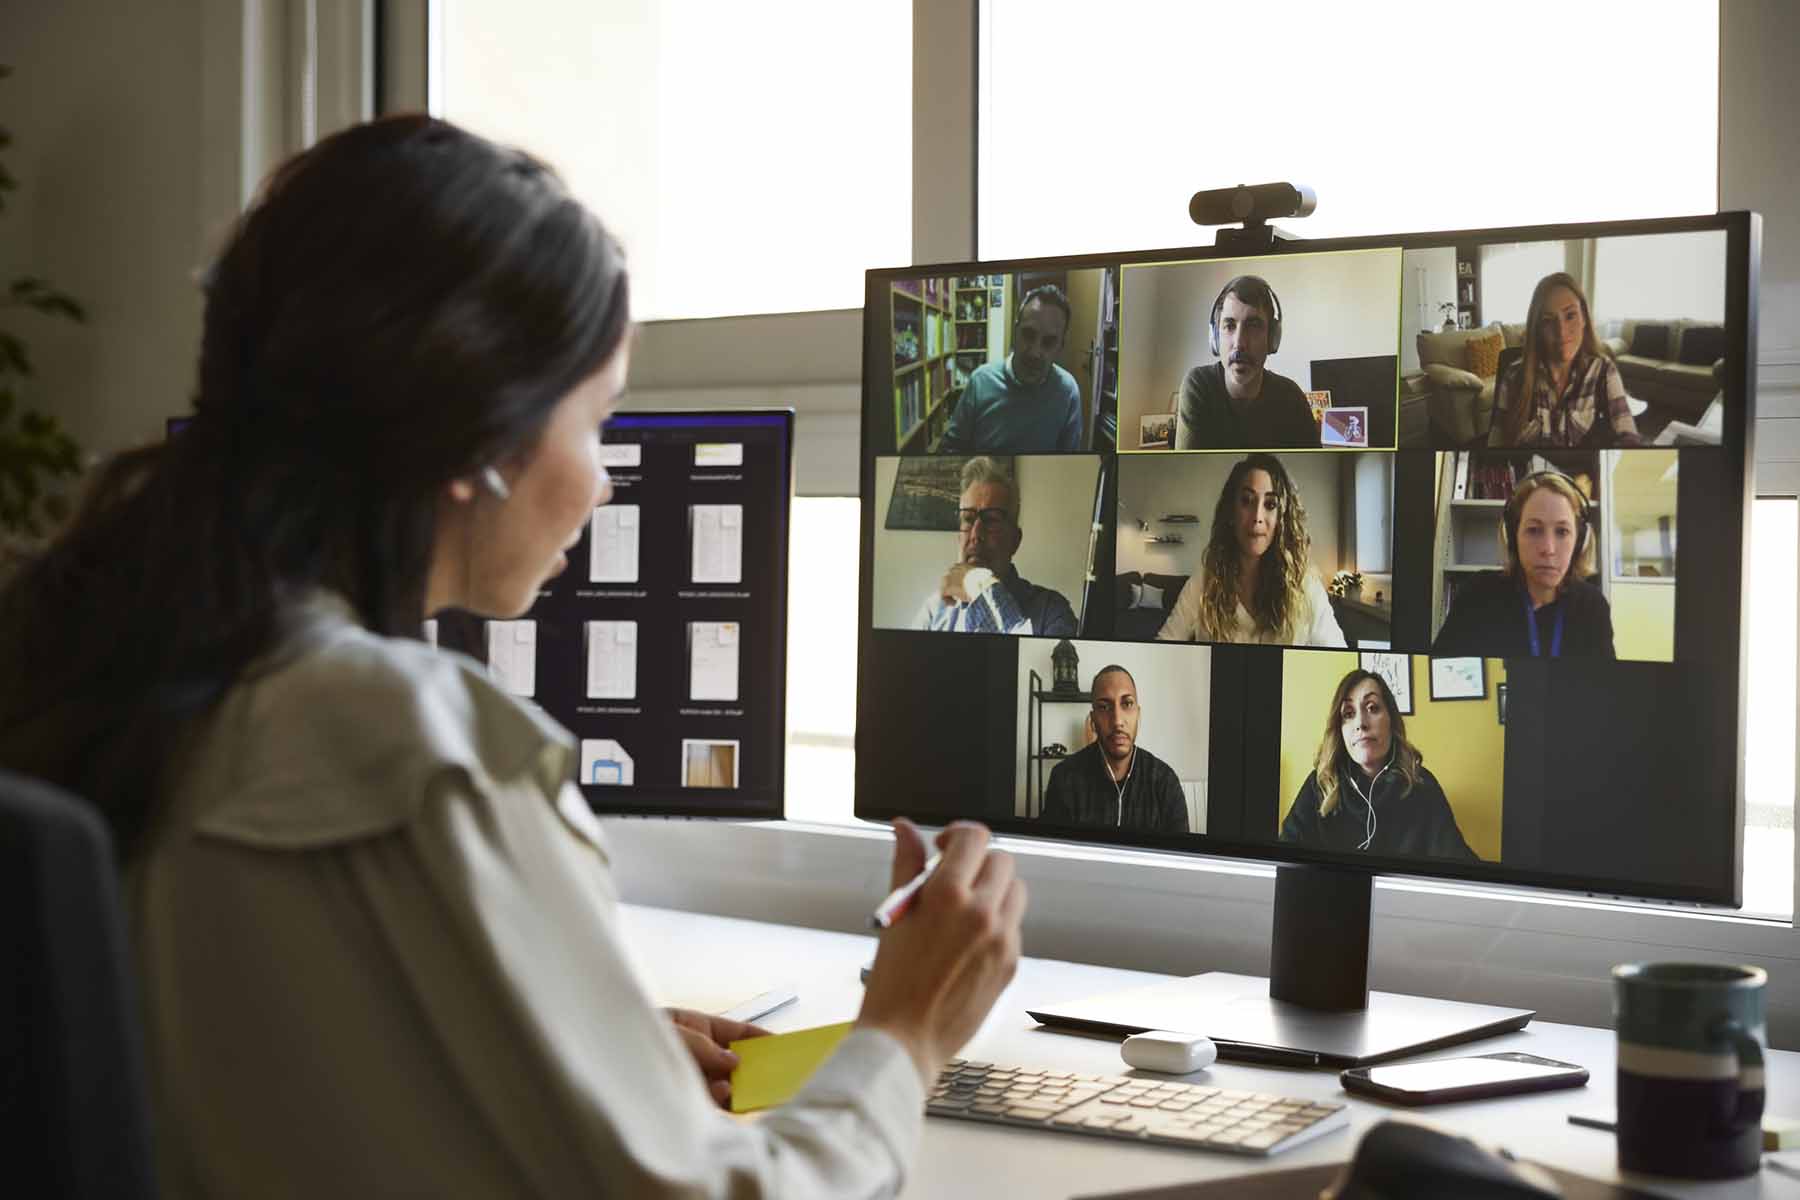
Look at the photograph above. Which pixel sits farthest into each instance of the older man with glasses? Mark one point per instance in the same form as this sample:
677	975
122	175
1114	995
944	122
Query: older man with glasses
982	592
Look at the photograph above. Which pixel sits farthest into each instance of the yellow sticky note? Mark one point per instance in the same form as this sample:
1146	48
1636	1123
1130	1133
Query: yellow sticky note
771	1069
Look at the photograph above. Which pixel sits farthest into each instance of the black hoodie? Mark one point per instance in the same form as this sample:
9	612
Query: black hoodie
1416	824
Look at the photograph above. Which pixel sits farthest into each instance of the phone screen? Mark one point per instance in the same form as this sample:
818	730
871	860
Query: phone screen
1458	1073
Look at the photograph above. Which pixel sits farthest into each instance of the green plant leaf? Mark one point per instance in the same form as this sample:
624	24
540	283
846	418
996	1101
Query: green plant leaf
43	296
12	354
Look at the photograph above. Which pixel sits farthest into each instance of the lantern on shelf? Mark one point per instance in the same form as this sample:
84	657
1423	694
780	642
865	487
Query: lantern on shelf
1065	668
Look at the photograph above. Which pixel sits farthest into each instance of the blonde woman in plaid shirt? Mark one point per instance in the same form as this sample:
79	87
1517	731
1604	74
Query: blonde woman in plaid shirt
1565	391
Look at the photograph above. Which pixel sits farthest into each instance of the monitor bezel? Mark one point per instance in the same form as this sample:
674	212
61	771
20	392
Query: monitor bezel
1743	254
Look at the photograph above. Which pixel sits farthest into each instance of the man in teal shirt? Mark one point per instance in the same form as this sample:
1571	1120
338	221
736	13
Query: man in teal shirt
1027	403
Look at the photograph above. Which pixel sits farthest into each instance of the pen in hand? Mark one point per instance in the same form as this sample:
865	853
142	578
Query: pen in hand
901	898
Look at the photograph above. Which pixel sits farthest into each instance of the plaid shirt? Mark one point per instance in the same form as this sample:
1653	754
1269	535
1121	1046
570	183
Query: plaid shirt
1567	420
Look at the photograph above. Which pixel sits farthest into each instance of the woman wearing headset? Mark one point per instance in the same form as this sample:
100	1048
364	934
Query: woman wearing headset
1255	583
1369	789
1539	606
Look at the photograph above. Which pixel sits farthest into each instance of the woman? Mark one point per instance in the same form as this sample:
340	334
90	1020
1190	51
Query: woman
1369	789
1540	605
1254	582
1565	390
374	921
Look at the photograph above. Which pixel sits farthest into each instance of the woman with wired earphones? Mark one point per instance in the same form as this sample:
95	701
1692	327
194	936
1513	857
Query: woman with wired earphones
1369	789
376	930
1539	606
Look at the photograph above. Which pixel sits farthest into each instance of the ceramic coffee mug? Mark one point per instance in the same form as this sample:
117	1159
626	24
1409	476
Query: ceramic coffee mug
1690	1068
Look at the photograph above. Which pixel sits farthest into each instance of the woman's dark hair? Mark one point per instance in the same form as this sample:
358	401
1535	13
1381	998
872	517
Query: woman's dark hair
403	304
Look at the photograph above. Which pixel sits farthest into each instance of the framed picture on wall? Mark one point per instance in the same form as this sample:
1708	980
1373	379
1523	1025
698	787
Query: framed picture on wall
927	488
1459	679
1396	671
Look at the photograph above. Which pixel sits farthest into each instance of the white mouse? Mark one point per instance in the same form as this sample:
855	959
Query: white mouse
1169	1052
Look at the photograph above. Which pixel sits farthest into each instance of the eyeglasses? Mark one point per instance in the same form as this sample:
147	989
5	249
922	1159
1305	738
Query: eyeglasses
990	518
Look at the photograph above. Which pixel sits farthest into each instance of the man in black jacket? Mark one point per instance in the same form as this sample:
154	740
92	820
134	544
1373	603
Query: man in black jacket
1115	781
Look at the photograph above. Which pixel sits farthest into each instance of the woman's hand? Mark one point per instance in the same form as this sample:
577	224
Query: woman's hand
706	1038
944	963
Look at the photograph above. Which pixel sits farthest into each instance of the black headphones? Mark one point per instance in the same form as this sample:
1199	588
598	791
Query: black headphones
1274	315
1515	508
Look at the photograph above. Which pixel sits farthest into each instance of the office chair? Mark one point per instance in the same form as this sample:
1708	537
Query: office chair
74	1109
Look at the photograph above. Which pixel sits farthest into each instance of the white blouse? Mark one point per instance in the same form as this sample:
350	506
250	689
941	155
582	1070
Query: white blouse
378	939
1317	626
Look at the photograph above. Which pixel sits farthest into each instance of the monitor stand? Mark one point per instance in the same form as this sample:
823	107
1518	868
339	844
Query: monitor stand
1315	1009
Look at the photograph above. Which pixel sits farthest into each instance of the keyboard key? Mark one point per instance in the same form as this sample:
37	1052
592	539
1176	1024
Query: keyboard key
1260	1141
1030	1112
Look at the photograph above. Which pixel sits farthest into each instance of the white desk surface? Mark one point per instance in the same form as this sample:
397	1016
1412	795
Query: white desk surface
711	962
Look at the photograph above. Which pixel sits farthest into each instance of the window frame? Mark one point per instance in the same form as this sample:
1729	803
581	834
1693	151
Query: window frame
1134	909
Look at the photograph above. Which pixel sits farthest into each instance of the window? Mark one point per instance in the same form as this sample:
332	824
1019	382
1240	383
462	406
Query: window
822	612
1770	709
753	158
1097	123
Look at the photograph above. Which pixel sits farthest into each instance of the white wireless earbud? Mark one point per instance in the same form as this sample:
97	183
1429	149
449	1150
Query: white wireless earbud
491	480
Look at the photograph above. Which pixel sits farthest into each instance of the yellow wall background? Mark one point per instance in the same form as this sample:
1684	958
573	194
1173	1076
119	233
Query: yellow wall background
1643	617
1462	740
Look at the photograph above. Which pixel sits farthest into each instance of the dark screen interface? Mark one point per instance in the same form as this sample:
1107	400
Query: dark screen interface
1423	554
662	647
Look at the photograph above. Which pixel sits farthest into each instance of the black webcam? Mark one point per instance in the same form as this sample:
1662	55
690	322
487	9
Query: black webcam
1255	205
1252	204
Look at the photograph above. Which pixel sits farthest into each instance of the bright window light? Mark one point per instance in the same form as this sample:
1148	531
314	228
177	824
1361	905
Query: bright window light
753	158
1769	710
1408	115
822	612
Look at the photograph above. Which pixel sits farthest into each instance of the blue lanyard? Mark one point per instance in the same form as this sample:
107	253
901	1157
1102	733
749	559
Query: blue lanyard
1531	628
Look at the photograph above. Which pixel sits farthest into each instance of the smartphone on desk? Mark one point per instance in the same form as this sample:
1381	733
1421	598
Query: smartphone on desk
1446	1079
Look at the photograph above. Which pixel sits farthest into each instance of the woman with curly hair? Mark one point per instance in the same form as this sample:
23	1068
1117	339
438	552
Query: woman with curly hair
1254	583
1369	789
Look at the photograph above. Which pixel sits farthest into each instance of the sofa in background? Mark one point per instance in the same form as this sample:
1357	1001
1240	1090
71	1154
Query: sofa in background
1459	380
1676	367
1139	623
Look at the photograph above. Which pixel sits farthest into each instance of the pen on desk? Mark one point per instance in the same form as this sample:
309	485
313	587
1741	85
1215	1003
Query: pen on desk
891	909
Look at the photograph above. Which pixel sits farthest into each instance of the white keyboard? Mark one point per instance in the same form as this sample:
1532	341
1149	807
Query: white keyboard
1139	1110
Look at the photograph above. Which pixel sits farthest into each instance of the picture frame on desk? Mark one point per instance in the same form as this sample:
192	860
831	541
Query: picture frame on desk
1156	431
1458	679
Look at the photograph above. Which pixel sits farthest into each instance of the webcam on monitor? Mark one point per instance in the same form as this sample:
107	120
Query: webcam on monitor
1255	205
1252	204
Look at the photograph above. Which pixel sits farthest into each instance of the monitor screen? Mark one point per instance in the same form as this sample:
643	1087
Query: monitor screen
663	646
1358	552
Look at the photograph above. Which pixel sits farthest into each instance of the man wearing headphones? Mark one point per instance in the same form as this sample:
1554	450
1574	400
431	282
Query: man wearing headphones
1539	606
1027	403
1236	403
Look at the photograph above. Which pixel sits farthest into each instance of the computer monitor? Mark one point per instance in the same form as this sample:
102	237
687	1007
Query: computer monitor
663	646
1386	548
